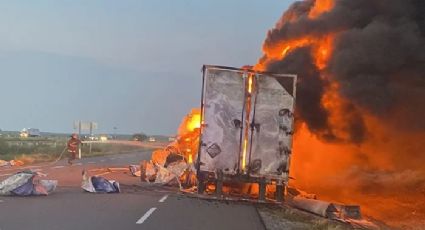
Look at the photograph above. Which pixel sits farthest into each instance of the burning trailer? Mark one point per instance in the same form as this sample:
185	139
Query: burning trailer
247	127
240	139
238	145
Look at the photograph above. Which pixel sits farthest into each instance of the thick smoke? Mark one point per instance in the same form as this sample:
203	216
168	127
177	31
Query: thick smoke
378	61
310	89
368	95
381	65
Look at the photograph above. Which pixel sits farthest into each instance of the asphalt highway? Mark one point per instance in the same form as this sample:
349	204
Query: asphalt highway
138	206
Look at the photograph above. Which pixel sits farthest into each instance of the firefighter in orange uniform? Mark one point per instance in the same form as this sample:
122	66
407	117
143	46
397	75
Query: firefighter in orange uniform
73	147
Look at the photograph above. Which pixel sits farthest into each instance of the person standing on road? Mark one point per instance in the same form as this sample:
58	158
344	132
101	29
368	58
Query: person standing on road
73	147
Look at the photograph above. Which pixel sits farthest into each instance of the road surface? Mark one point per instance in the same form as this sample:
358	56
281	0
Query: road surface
139	206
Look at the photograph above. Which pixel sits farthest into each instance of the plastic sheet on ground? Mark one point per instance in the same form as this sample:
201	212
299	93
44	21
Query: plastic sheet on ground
25	184
98	184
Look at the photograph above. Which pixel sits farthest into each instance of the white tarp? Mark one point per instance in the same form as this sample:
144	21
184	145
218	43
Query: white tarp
98	184
23	184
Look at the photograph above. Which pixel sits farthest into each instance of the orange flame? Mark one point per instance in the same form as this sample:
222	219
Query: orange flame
245	145
190	161
320	7
247	119
188	135
320	166
321	48
194	123
250	83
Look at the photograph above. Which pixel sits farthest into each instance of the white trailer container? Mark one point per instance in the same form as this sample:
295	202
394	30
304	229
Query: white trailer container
247	125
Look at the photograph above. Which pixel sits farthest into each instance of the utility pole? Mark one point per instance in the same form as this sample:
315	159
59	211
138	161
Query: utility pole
91	135
115	132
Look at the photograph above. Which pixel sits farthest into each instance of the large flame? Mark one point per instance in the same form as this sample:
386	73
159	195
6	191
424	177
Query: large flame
355	61
350	165
194	122
188	135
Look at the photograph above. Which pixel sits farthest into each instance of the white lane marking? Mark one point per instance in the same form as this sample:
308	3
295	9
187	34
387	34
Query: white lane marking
77	164
58	167
102	160
112	158
1	201
163	199
91	162
146	216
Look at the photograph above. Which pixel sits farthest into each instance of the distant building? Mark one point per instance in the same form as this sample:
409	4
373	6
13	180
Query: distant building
30	133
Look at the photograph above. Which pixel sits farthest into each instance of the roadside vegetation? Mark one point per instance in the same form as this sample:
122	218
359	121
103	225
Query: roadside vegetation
33	150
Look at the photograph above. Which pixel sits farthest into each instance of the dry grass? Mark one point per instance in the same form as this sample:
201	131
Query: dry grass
51	154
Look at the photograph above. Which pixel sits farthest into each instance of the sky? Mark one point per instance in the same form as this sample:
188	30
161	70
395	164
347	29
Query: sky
130	64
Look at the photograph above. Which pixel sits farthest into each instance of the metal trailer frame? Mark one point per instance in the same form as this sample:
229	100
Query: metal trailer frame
218	177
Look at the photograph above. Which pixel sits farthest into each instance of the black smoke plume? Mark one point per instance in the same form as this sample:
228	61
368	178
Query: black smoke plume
378	60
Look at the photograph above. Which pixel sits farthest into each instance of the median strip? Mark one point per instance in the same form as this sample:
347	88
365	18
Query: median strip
146	216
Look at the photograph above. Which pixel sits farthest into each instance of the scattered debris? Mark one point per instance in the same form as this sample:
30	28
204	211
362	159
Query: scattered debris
284	217
10	163
98	184
4	163
26	184
349	214
174	171
134	170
